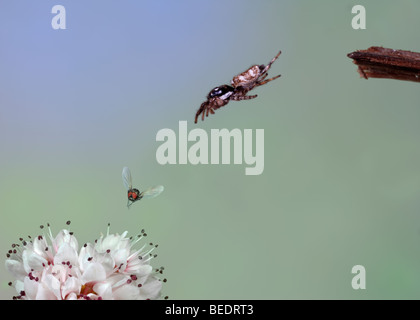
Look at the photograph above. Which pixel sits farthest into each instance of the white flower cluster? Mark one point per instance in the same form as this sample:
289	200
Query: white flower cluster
107	269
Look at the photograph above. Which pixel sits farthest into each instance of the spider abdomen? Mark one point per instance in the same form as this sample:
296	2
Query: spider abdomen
247	77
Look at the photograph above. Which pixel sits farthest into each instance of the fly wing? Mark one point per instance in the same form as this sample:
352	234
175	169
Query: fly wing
126	176
152	192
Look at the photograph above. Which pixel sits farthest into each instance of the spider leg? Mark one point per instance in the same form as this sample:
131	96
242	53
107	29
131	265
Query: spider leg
239	98
263	77
201	111
268	80
196	116
268	66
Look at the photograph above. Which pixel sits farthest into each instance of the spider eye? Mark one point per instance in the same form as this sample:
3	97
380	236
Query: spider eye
220	91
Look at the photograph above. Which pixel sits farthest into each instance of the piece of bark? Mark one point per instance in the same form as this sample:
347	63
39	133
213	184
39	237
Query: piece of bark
379	62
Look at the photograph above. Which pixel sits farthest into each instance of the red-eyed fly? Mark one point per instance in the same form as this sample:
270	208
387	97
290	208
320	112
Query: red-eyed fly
133	194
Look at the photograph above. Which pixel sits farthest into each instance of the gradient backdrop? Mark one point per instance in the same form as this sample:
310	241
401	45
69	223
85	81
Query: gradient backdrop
341	182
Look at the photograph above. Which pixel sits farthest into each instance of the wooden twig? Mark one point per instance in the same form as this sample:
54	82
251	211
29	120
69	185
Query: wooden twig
378	62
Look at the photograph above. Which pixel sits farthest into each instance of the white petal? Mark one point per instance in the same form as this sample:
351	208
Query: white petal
16	269
104	290
39	246
117	279
126	292
66	253
121	255
113	242
31	288
59	272
107	262
44	293
86	252
93	296
94	272
19	286
145	269
121	282
109	242
71	296
31	260
53	284
72	285
139	269
151	289
64	236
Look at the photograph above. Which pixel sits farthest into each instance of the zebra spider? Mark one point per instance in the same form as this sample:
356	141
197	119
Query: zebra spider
238	90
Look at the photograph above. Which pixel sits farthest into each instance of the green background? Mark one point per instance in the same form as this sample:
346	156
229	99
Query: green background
341	182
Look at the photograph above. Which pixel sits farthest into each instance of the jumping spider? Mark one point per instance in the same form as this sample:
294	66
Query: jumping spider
240	86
